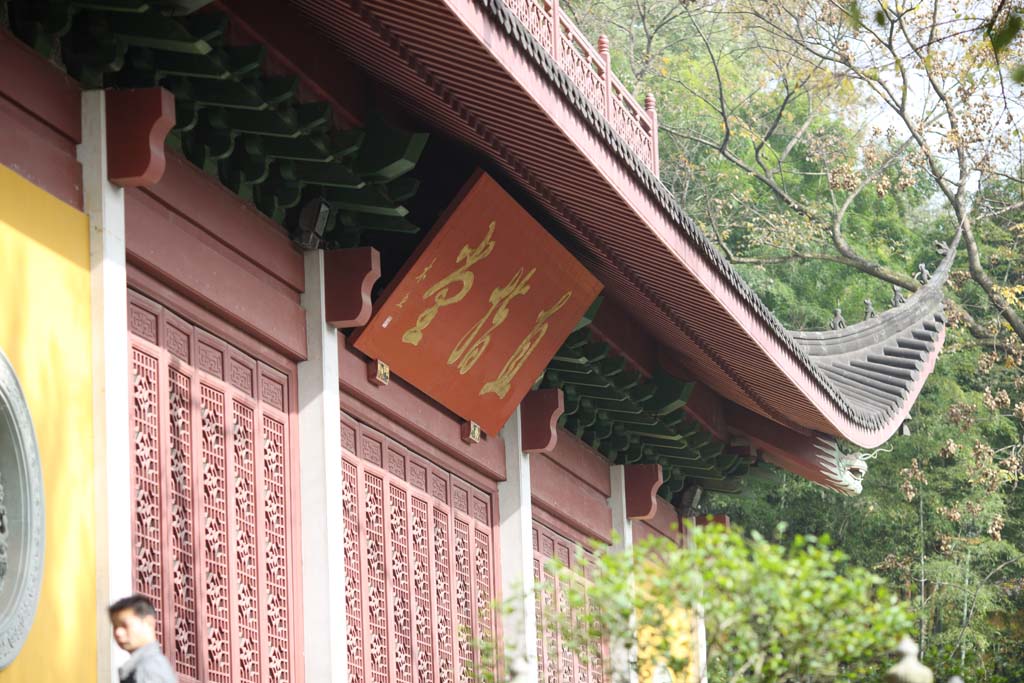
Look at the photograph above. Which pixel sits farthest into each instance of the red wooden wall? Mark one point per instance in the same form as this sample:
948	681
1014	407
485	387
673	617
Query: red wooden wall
419	561
570	489
201	242
421	551
40	121
573	467
213	522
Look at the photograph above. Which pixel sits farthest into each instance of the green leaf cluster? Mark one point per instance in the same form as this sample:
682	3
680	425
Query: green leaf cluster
772	613
942	515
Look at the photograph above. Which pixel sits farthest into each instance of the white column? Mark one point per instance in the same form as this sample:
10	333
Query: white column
323	555
623	528
621	524
104	203
519	625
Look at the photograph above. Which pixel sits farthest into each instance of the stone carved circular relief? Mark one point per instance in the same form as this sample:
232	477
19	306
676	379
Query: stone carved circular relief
22	523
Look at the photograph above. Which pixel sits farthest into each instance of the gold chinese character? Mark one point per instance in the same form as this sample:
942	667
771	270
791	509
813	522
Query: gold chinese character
402	302
472	345
423	273
502	383
461	276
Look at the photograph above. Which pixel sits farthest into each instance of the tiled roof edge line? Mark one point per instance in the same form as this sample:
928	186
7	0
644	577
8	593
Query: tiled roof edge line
653	185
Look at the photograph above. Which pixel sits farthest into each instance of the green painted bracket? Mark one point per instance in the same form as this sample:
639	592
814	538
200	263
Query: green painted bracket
155	31
387	152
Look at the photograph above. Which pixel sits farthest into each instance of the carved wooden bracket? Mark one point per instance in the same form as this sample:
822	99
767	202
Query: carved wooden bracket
642	483
349	275
539	411
138	122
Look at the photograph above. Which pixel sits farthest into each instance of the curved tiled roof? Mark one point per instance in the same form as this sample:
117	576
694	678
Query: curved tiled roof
869	369
879	365
475	71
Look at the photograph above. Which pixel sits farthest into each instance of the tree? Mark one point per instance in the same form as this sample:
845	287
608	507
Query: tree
936	519
825	146
796	613
817	106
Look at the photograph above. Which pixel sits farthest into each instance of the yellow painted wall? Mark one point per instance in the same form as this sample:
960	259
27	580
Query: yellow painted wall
675	641
45	332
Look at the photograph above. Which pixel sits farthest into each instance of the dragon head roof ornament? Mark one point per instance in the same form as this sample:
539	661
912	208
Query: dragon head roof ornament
844	472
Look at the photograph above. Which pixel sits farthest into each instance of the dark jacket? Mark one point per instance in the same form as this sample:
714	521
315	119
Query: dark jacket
147	665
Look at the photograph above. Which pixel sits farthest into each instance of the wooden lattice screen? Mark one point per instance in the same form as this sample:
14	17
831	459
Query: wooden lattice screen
212	524
557	662
418	563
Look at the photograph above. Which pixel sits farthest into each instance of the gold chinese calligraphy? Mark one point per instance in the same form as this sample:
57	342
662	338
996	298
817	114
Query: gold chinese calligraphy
481	307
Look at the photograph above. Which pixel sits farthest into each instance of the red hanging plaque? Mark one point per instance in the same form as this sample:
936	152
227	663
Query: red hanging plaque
479	310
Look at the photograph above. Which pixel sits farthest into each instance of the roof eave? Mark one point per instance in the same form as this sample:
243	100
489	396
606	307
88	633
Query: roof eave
466	64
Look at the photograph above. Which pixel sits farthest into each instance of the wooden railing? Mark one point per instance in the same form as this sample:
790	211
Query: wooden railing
590	69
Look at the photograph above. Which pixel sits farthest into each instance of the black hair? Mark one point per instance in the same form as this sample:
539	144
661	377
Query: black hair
139	604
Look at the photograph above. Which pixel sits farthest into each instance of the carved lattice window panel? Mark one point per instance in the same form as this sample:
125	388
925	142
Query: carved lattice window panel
419	560
212	478
556	661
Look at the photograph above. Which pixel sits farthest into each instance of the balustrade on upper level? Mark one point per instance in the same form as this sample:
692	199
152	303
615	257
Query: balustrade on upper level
590	70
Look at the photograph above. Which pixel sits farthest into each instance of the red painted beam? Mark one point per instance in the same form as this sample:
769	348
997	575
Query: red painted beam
138	122
789	449
586	464
179	253
705	405
40	87
189	192
560	492
665	522
40	121
615	327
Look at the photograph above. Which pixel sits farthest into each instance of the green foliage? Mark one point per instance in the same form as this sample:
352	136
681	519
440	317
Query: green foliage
939	518
771	612
1003	34
782	154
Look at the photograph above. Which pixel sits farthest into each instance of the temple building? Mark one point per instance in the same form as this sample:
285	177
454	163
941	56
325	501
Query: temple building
325	324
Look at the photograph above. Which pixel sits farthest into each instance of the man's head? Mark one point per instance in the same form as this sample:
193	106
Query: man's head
134	622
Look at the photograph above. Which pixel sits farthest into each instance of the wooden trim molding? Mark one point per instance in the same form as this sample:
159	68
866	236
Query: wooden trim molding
138	121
